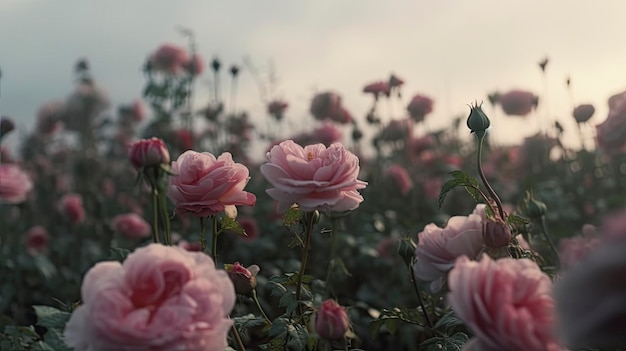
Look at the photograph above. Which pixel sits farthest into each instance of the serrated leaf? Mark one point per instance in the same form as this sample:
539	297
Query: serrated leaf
292	216
448	322
277	289
117	254
50	317
279	328
460	178
231	224
289	302
299	337
450	343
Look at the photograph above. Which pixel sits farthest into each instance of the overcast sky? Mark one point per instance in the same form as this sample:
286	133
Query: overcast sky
455	51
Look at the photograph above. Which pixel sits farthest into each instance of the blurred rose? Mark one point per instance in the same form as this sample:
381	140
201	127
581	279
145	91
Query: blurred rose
182	139
419	107
518	102
203	185
71	206
328	106
314	177
148	153
401	178
250	226
37	239
432	188
573	250
131	226
397	130
84	106
160	298
15	184
49	117
332	321
169	59
277	109
590	299
582	113
326	134
611	134
507	304
438	248
195	66
377	88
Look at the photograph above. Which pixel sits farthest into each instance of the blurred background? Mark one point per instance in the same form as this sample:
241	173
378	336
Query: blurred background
453	51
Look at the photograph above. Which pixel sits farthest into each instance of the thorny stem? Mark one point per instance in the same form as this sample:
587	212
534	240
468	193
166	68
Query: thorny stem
419	298
305	254
484	179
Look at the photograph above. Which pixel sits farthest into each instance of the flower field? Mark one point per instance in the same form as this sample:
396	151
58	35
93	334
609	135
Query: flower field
152	226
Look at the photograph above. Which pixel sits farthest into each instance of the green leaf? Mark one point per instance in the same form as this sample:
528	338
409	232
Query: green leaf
292	216
299	337
448	322
450	343
460	178
45	266
42	346
232	225
279	327
54	338
249	321
50	317
277	289
117	254
516	220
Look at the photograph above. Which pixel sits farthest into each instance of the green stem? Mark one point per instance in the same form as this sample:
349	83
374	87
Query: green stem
166	218
258	305
419	297
544	231
202	238
238	338
484	179
305	254
155	215
333	251
214	239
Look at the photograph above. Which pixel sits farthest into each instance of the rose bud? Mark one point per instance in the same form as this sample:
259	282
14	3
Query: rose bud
148	153
332	321
244	279
477	121
496	234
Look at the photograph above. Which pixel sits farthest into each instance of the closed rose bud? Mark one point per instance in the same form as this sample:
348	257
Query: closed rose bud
332	321
477	121
496	234
535	208
244	279
148	153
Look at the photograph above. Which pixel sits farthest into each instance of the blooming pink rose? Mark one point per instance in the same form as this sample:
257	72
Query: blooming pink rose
314	177
37	239
518	102
438	248
169	59
71	206
15	184
131	225
332	321
582	113
203	185
400	177
160	298
148	153
419	107
507	304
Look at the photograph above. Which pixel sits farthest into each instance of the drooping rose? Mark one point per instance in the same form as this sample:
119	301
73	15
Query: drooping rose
518	102
148	153
400	176
71	206
419	107
15	184
314	177
160	298
131	225
203	185
507	304
331	321
438	248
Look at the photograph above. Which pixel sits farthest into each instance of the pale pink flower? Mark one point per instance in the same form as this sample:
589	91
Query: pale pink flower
160	298
37	239
326	134
15	184
148	153
400	176
131	225
438	248
331	321
169	59
203	185
314	177
71	206
518	102
419	107
507	304
573	250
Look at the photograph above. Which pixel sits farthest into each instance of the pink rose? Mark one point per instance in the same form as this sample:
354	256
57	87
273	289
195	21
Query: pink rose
71	206
332	321
397	130
160	298
419	107
611	134
378	88
401	178
148	153
326	134
314	177
169	59
438	248
204	185
15	184
131	225
277	109
195	66
573	250
37	239
518	102
507	304
244	279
